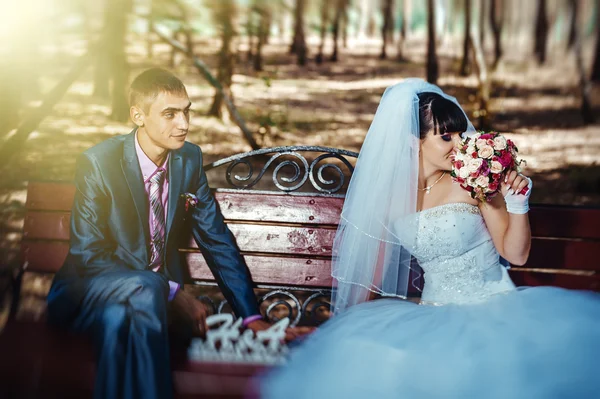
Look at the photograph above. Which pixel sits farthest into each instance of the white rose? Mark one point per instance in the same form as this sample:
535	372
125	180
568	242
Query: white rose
482	181
496	167
499	143
463	173
480	143
473	165
486	151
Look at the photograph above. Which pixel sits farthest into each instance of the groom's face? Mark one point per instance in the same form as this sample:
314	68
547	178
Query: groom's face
168	119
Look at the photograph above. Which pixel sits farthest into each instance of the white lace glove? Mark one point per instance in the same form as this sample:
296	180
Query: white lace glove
518	203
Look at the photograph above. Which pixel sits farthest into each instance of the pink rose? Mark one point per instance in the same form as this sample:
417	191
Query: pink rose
473	165
500	143
482	181
496	167
486	152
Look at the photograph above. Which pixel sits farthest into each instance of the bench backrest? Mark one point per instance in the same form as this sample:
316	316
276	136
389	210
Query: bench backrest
286	240
286	236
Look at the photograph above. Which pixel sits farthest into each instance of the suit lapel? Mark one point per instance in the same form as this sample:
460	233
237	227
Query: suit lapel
175	180
135	181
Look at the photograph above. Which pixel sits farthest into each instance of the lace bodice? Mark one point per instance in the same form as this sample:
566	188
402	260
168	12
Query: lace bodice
455	250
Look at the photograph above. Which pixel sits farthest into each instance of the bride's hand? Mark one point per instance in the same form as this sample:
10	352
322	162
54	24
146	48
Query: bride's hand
516	198
515	181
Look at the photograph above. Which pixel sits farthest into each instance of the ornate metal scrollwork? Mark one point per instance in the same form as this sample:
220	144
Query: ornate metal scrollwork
312	308
321	180
282	303
277	304
285	158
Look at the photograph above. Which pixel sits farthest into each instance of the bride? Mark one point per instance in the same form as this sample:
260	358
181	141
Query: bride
474	334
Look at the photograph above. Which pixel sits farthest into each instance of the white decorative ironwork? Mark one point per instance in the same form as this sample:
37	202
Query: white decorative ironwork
226	341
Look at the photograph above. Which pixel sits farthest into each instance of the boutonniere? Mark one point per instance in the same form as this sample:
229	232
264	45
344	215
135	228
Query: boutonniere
190	200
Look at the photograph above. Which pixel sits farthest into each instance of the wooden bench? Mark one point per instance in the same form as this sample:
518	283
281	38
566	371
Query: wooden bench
284	226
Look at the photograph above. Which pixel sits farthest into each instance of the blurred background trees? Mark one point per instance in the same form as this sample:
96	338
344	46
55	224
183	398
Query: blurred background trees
283	72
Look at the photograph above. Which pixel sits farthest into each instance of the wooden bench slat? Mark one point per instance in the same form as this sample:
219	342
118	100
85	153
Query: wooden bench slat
47	225
44	256
281	239
556	221
564	254
280	208
52	196
250	238
532	278
273	270
48	257
579	255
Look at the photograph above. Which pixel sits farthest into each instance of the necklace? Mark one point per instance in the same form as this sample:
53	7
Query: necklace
428	188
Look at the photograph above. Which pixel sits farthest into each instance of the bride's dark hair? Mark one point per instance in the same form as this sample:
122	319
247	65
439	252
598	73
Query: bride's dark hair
439	114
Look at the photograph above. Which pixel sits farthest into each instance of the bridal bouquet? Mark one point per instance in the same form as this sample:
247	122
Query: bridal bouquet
481	161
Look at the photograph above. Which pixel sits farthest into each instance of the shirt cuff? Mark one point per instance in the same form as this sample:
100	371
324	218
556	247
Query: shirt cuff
173	288
250	319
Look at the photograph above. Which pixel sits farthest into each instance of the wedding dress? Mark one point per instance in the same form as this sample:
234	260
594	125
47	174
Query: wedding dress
474	334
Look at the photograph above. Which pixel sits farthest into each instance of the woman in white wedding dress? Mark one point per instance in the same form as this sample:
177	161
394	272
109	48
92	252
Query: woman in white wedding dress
474	334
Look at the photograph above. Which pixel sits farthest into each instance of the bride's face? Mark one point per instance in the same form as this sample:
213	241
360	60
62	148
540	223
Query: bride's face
437	149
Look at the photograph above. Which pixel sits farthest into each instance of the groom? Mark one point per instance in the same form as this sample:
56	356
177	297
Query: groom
122	279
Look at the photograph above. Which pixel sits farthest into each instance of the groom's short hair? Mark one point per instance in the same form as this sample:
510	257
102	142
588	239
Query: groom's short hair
150	83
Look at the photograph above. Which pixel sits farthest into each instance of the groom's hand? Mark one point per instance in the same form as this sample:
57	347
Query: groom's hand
192	310
291	333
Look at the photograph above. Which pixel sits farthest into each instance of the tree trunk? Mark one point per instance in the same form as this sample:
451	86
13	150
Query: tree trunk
336	28
482	23
223	12
111	61
402	36
574	8
483	83
264	24
497	23
299	43
250	31
102	71
344	28
584	84
596	67
465	67
541	32
298	46
387	26
324	24
173	56
363	19
432	62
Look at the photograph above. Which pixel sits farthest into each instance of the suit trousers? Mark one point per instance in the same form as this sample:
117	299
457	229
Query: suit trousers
125	313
